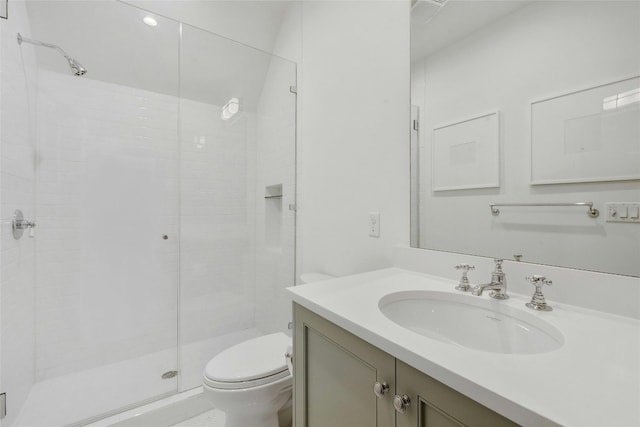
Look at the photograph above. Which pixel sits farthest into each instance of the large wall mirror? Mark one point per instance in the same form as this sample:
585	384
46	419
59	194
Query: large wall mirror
533	106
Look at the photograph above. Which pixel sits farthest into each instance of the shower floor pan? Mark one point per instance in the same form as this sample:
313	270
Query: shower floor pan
86	397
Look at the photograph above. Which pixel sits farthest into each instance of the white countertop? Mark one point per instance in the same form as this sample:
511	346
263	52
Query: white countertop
593	380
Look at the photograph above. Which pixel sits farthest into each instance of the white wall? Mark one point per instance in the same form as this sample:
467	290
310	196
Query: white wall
17	141
542	50
354	137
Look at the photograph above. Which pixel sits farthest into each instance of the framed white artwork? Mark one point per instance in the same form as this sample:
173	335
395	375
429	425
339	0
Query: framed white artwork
587	136
466	154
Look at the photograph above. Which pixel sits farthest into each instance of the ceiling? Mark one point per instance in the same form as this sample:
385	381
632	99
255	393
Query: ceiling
434	27
110	40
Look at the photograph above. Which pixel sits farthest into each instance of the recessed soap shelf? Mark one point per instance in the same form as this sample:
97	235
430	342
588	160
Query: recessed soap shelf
273	217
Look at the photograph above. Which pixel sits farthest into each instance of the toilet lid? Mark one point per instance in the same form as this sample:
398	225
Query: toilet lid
253	359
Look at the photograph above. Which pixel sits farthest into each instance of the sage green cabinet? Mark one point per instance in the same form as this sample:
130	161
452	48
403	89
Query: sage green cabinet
433	404
335	373
334	377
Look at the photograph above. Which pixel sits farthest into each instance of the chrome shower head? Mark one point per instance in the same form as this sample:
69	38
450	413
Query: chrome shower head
77	69
75	66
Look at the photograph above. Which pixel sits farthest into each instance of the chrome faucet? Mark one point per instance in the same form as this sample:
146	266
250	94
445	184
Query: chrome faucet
538	301
464	286
498	285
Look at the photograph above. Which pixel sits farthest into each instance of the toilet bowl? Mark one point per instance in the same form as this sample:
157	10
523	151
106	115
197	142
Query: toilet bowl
250	382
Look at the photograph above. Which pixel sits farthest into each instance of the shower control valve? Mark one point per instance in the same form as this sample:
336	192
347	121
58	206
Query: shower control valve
19	224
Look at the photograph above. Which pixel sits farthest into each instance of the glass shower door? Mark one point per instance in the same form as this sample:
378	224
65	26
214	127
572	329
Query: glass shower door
238	139
17	257
105	160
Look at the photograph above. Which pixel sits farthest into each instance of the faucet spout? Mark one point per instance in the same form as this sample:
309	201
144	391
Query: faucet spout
479	289
498	285
498	290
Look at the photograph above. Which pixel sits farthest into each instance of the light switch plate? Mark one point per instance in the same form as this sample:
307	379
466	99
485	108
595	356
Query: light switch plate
623	212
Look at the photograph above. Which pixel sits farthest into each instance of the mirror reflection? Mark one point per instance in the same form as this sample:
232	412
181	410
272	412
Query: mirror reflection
533	107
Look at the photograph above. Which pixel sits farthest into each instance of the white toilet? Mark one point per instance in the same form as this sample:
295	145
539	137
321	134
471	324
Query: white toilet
251	382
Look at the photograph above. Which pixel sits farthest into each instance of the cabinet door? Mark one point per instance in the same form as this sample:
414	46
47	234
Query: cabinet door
334	377
433	404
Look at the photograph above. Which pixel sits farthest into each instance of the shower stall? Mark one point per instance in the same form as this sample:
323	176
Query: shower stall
158	185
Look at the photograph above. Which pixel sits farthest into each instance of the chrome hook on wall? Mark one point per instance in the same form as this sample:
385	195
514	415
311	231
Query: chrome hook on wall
19	224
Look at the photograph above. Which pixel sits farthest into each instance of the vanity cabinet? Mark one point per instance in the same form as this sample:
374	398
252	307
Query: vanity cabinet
334	376
433	404
335	373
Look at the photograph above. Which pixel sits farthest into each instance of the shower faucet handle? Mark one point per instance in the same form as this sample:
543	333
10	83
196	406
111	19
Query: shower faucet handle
19	224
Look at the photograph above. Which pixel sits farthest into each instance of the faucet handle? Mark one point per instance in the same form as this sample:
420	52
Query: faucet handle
464	280
498	262
538	280
538	301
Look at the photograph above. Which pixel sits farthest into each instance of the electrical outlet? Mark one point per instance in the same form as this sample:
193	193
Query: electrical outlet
374	224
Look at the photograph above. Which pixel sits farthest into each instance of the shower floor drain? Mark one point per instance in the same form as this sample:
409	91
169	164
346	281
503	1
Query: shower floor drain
169	374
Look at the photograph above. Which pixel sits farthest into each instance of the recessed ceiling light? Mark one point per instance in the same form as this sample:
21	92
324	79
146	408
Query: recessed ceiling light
150	21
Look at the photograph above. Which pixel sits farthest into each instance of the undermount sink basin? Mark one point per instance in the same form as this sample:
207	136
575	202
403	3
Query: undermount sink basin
472	322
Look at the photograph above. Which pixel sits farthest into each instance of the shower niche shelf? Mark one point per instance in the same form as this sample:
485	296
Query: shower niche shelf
273	217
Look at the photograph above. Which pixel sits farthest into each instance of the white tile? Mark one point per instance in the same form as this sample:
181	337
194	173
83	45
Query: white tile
213	418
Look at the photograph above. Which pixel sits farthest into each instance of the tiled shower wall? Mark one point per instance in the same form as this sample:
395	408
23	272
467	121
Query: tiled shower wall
107	192
109	189
217	233
17	140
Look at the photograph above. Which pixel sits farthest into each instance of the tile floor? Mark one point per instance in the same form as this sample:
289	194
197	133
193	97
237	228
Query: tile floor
213	418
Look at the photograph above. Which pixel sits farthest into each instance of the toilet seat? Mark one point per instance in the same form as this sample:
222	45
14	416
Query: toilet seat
249	364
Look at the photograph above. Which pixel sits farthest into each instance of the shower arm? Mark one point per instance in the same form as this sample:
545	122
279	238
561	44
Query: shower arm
75	66
39	43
